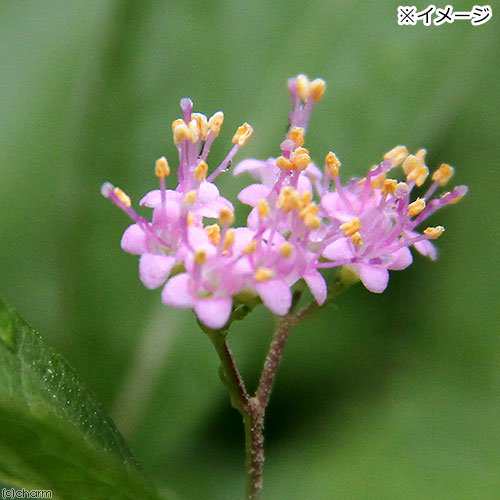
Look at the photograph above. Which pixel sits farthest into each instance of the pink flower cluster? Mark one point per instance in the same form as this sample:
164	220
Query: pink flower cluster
302	219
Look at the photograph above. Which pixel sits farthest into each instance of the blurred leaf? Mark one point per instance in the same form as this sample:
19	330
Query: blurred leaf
54	435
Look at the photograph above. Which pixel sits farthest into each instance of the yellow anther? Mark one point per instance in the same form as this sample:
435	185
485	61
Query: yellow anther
317	87
190	218
306	198
312	221
263	274
332	164
213	233
411	163
351	227
416	207
190	198
195	131
202	122
397	155
228	240
200	171
390	186
357	239
284	163
418	175
215	123
310	209
289	199
296	134
378	182
162	168
226	216
301	158
421	154
250	248
263	208
443	174
200	257
176	123
303	87
286	249
122	196
433	233
182	133
242	134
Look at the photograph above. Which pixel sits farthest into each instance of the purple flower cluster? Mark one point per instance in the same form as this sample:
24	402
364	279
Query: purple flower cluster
302	219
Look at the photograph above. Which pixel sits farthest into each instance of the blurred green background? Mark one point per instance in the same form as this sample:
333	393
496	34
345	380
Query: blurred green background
381	397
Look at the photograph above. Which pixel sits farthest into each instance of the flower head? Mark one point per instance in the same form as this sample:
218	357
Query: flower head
302	220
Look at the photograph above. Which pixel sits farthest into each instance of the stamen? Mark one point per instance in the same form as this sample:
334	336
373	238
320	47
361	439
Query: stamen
300	158
288	199
181	132
263	208
396	155
390	186
195	131
162	168
263	274
357	239
312	221
411	163
351	227
242	134
418	175
303	87
228	240
250	248
286	249
213	233
122	196
226	216
190	198
296	134
200	257
317	88
284	163
433	233
416	207
332	164
443	174
202	122
215	123
378	182
200	171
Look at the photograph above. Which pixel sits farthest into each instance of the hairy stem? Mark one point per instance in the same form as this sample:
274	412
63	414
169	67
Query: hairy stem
253	408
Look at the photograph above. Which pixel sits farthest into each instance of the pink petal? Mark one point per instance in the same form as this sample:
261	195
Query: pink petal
317	285
154	269
248	165
207	192
253	193
374	278
242	237
426	248
275	295
402	259
134	240
176	292
153	198
304	184
213	312
338	250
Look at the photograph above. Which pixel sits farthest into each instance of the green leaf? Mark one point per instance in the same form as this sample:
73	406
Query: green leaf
53	435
